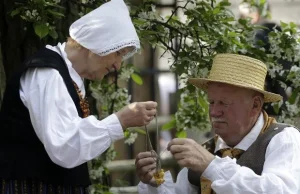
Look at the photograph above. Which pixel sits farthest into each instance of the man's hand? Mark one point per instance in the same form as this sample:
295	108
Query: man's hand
137	114
190	154
145	164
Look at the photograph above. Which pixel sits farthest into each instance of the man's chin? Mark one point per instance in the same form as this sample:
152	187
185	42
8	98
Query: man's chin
218	125
219	130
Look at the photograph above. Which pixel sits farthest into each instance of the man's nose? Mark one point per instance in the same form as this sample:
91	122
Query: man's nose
215	110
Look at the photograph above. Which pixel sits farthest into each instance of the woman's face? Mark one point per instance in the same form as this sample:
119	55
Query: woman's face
98	66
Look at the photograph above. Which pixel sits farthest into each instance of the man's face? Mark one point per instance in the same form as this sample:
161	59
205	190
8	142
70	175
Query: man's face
248	11
99	66
230	109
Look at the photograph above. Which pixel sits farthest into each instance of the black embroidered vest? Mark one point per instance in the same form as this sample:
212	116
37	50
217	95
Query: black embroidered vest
22	155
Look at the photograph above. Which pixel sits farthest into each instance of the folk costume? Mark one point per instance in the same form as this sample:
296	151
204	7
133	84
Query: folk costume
47	134
264	161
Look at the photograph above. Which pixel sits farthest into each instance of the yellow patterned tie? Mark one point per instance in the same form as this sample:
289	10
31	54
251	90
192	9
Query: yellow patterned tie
232	153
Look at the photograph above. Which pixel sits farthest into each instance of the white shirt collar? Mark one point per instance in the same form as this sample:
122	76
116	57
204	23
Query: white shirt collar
248	140
60	49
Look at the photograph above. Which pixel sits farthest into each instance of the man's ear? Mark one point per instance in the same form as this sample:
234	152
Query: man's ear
257	103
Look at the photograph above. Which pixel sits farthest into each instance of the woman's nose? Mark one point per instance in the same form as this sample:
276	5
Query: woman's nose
118	65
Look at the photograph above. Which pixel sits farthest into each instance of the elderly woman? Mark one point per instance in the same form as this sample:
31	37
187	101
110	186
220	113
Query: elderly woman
47	135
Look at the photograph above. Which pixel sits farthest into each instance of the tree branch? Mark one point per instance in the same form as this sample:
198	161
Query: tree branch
177	7
173	51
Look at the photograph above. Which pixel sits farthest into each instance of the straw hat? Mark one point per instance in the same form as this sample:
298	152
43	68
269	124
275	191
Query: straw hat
238	70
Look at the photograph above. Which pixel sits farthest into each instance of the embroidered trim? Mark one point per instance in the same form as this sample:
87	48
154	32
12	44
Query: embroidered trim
84	105
116	47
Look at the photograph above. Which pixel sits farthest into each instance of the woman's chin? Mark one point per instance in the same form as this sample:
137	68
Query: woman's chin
98	78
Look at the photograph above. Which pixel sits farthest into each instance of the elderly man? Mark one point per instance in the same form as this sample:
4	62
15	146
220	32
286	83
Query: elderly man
250	153
47	135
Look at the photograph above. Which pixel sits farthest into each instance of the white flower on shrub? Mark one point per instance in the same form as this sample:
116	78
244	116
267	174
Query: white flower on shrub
294	76
30	15
96	173
274	69
131	139
293	109
126	73
143	15
295	68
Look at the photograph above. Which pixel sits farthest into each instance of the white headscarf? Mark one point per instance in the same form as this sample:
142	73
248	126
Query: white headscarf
106	29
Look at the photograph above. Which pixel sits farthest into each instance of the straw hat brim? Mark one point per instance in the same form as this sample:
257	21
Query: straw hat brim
202	84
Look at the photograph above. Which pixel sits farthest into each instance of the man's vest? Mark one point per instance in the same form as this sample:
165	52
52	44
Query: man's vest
253	157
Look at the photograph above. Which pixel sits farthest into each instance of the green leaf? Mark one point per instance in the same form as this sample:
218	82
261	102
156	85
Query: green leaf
272	33
242	21
216	11
237	43
293	31
181	134
283	24
174	18
203	103
141	131
232	34
129	65
55	13
293	25
126	133
41	30
136	69
54	5
225	3
137	79
170	125
139	21
276	108
292	98
53	34
14	12
23	17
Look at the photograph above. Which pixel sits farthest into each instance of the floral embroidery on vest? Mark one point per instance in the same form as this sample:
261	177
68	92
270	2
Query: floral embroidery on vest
84	105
